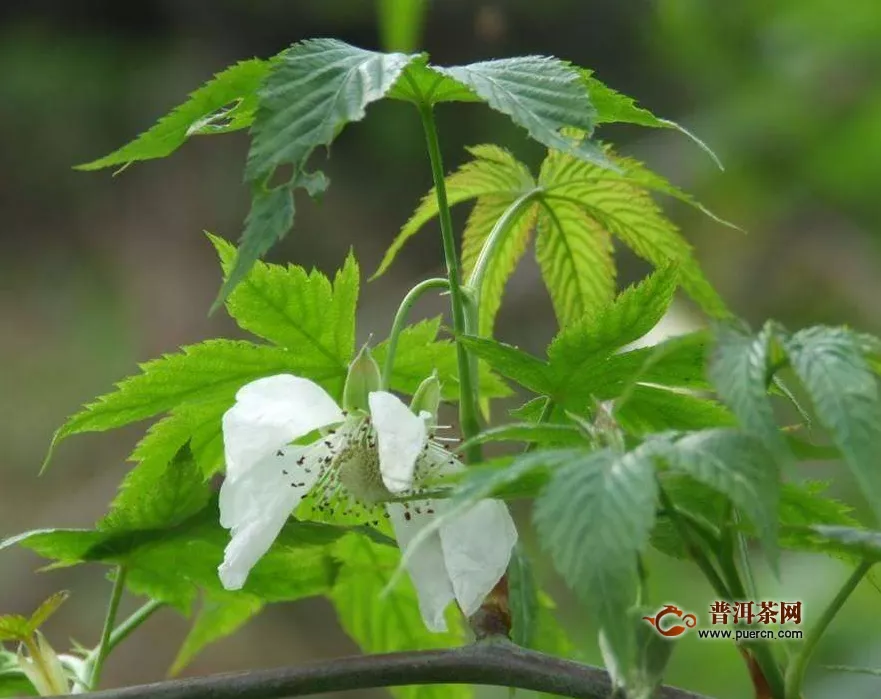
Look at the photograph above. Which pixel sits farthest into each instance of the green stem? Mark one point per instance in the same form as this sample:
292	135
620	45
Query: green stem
401	317
119	634
494	240
796	670
467	396
103	649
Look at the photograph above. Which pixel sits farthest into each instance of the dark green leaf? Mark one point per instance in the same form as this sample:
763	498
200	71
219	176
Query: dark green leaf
740	467
845	393
648	409
612	106
740	369
543	95
316	88
594	518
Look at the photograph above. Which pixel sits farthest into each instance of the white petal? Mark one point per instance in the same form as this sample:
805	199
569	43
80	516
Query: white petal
268	414
425	565
401	435
256	505
477	548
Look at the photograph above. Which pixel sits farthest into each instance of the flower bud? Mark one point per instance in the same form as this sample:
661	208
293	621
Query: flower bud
43	668
363	378
427	397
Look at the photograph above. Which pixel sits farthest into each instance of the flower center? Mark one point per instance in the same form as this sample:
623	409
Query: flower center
358	468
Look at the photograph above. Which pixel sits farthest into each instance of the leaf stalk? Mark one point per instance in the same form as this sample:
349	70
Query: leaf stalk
401	318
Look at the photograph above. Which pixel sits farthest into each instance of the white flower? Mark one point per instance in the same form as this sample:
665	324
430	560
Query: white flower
356	463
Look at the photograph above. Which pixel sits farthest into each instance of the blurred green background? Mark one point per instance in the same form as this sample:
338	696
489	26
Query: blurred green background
98	272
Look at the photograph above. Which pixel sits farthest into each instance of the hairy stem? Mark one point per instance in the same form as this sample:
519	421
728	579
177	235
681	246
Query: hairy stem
796	670
467	394
401	317
490	662
96	663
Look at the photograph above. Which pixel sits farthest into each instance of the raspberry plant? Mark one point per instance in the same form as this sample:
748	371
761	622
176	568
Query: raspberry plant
676	446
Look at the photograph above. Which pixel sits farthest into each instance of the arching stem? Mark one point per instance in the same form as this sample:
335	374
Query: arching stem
401	317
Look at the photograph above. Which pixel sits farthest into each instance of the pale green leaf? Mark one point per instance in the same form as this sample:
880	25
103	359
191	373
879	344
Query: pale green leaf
512	363
225	103
595	518
677	362
648	409
173	564
315	89
494	173
543	95
596	336
391	622
197	423
220	615
158	493
845	393
624	208
574	254
422	84
211	371
298	310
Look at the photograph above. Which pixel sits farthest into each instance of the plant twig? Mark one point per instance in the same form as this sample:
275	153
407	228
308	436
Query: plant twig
491	662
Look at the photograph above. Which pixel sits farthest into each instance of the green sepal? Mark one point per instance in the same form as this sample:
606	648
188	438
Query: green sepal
363	378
